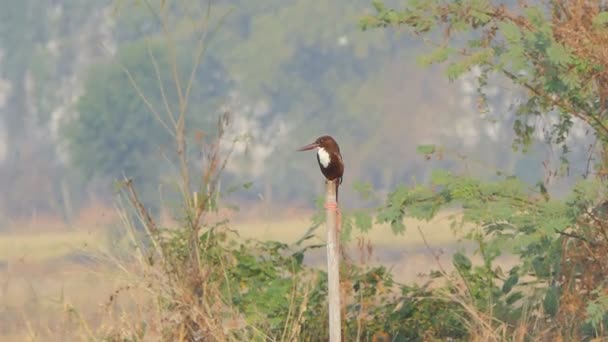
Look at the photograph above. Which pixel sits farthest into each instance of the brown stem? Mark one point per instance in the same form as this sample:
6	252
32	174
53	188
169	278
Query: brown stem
134	198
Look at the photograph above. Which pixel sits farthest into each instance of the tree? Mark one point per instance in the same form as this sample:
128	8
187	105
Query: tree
115	134
556	53
281	72
561	74
41	59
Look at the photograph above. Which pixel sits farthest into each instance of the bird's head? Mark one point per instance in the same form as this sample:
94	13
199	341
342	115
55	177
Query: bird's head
326	142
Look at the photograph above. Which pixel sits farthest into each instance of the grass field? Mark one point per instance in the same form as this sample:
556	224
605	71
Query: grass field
44	246
437	231
50	281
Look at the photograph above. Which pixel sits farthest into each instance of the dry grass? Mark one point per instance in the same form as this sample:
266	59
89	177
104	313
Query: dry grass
46	290
44	246
290	229
56	301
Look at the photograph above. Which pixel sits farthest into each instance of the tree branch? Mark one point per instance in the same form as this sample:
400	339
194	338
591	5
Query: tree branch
143	212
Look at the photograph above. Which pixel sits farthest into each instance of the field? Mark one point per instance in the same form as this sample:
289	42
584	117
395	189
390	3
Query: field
59	280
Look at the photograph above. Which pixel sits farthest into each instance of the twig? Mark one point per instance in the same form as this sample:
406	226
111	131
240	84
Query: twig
202	48
300	319
179	129
433	254
139	206
585	115
575	236
144	97
600	222
590	153
163	95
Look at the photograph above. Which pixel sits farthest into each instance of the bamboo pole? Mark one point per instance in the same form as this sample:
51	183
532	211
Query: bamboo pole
333	263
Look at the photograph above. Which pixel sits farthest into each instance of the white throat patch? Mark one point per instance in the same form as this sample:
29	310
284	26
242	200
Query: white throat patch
323	157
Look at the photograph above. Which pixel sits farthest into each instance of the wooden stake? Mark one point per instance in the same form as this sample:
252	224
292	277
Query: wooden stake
333	264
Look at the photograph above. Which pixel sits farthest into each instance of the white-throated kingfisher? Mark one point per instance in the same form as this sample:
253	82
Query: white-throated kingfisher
331	164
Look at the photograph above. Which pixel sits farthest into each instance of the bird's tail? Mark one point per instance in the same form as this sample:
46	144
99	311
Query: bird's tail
337	187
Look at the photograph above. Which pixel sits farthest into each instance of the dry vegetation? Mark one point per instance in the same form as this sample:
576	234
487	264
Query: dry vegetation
95	278
67	284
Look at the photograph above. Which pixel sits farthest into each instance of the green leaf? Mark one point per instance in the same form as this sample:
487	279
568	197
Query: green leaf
510	30
515	57
398	197
551	301
509	283
558	54
365	190
514	297
455	70
461	261
481	16
439	55
601	19
298	257
441	177
363	221
378	5
398	227
535	15
426	149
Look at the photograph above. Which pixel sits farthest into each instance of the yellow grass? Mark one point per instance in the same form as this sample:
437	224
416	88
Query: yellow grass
62	301
41	246
39	287
437	232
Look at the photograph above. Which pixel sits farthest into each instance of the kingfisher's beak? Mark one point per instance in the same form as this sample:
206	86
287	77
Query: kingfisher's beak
308	147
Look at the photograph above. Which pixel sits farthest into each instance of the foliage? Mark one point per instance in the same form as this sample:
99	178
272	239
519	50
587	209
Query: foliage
556	53
114	134
538	48
212	285
305	79
113	126
267	287
33	78
404	312
47	48
560	243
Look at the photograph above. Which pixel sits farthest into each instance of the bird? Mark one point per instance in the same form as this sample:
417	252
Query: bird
330	162
328	156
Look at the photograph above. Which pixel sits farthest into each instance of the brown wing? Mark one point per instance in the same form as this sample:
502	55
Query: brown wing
339	170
